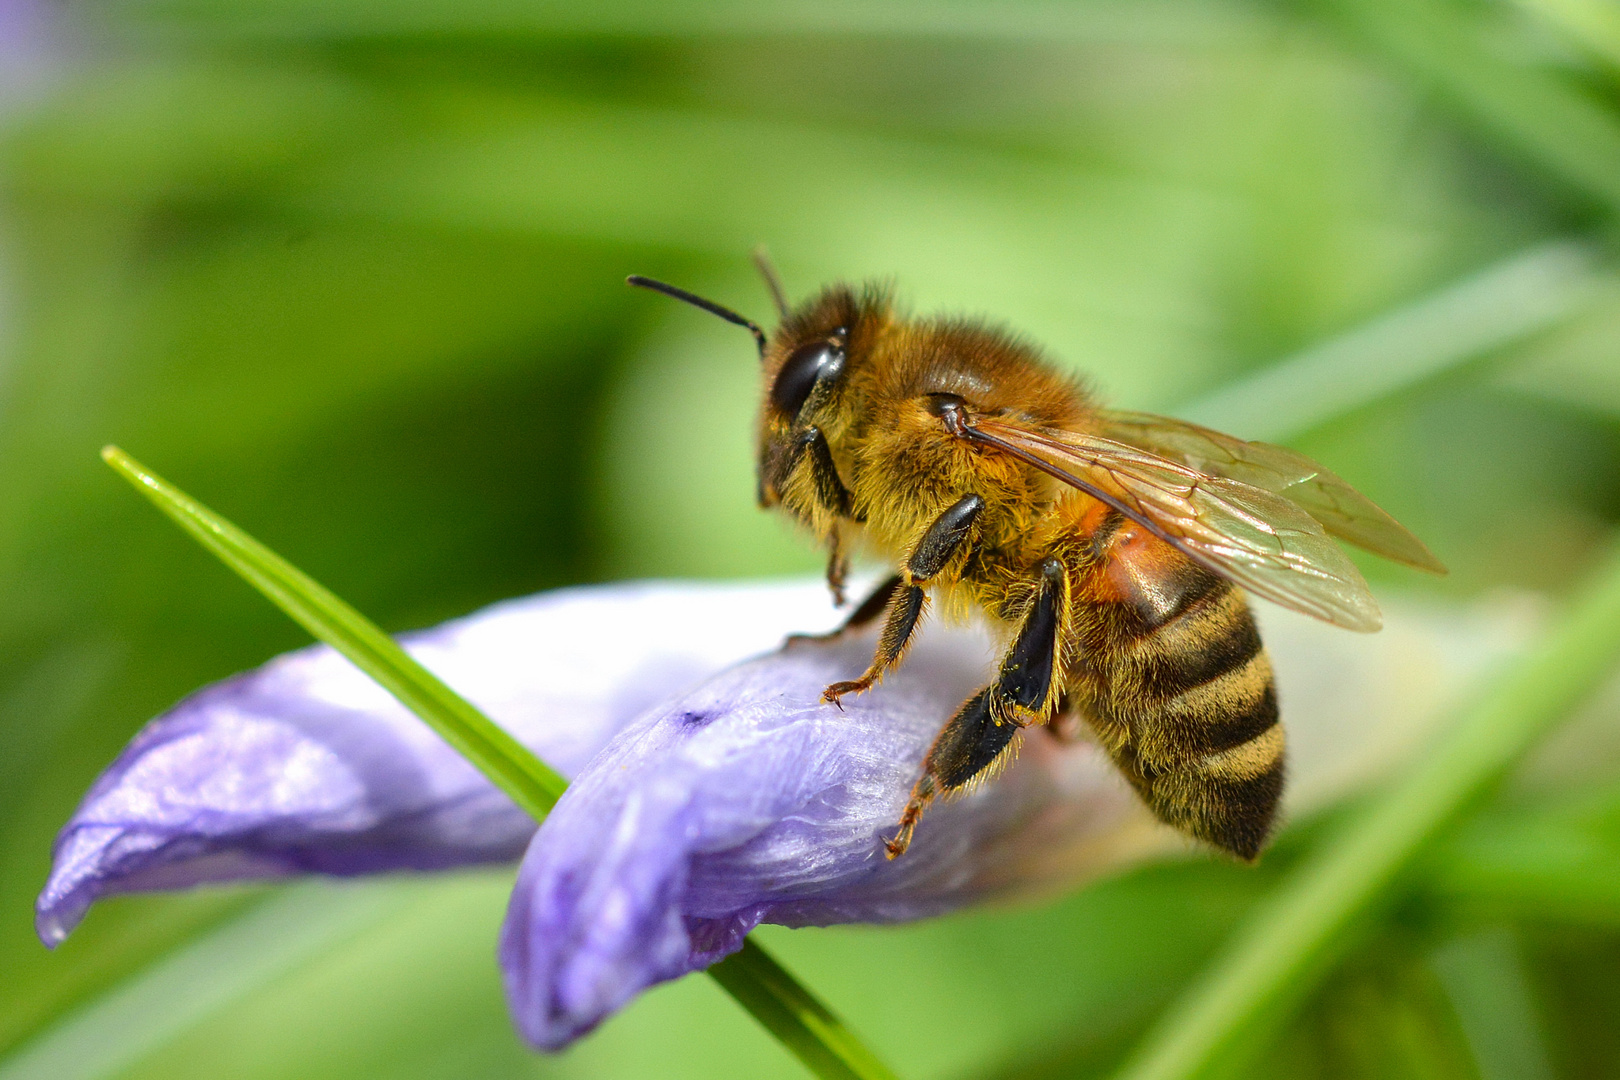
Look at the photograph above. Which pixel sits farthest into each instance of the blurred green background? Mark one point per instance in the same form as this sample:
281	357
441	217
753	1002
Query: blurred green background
351	272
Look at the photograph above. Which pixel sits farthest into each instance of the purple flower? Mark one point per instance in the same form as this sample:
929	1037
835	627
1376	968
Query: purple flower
749	801
698	809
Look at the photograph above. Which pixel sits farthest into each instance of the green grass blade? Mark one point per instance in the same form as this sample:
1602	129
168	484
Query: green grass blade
1281	952
1594	25
1541	115
1484	976
762	986
110	1034
793	1015
1425	339
525	778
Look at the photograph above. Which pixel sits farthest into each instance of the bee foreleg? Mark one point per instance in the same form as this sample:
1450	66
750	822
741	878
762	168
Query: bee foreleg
830	489
927	559
905	611
1025	692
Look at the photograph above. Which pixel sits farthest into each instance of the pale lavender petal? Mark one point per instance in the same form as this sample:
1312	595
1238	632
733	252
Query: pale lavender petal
30	47
306	765
748	801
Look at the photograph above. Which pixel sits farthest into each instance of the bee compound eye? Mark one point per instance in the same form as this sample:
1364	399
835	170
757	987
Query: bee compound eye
804	368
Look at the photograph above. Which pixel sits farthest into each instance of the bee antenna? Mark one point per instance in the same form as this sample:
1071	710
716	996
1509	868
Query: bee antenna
773	282
697	301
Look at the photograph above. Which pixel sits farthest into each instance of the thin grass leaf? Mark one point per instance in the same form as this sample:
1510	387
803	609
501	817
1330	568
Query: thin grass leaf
1541	115
793	1015
1550	864
1594	25
530	783
1387	1015
1485	978
111	1033
805	1026
302	20
1503	303
1290	940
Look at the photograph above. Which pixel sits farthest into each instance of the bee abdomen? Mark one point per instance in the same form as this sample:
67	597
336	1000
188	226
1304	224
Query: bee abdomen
1194	707
1201	644
1228	799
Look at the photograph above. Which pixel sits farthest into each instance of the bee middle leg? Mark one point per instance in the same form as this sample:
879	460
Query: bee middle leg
905	611
942	540
1026	691
864	613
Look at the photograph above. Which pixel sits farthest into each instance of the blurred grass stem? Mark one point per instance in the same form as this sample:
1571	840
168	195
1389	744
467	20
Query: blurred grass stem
1283	949
1592	24
111	1034
1485	979
1547	118
766	989
1493	308
762	986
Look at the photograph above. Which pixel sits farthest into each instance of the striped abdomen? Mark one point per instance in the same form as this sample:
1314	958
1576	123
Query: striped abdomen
1172	676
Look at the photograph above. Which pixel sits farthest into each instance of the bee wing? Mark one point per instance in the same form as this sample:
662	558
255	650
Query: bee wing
1343	511
1256	538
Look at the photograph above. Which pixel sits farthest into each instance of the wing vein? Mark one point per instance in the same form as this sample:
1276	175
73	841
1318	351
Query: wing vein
1256	537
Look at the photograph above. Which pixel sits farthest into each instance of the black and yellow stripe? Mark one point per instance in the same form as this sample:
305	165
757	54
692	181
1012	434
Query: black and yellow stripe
1181	691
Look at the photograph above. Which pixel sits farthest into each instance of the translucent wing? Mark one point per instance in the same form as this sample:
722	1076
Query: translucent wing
1256	538
1343	511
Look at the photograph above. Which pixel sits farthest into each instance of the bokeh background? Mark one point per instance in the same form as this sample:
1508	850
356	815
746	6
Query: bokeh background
351	272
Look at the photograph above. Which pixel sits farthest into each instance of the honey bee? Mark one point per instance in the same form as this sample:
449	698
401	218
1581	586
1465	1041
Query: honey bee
1112	549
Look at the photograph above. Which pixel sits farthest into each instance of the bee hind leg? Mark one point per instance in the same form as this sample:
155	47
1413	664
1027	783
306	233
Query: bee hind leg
1024	692
968	745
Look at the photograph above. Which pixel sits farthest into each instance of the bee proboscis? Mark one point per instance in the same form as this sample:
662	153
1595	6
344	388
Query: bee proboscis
1112	548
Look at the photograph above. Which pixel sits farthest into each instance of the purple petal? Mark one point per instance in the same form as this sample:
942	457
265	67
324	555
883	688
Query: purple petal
306	765
749	801
29	49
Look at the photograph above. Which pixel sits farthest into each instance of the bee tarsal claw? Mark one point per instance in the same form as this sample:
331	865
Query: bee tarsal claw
839	689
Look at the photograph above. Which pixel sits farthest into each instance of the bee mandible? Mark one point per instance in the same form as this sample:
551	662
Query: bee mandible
1112	549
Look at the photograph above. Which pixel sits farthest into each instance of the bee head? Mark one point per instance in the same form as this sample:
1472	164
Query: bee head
812	358
804	364
812	352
